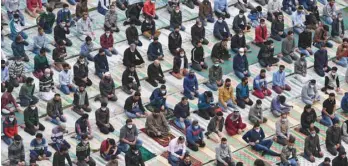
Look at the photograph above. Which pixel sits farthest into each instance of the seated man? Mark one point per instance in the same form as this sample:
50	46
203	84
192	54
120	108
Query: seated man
12	8
38	148
101	63
194	136
133	13
16	72
107	89
46	20
158	98
255	138
300	69
321	37
148	28
342	54
46	86
312	147
132	35
333	141
198	33
177	150
83	128
241	65
41	41
8	102
221	8
341	158
266	55
206	12
133	106
242	94
337	26
255	15
111	19
85	27
260	85
312	18
150	9
215	77
288	154
308	118
234	124
175	41
220	52
83	152
176	19
134	156
226	96
60	32
298	19
64	15
224	154
65	80
18	48
81	72
205	105
129	136
122	4
197	57
279	82
157	125
180	64
289	6
344	103
221	30
329	12
344	127
59	54
283	130
34	7
182	113
305	42
321	61
238	41
57	137
309	93
288	48
172	4
16	152
328	112
81	102
261	34
131	56
243	5
155	51
26	93
155	74
55	110
102	117
10	128
130	80
190	85
215	125
16	27
277	27
107	43
108	149
279	106
256	113
240	23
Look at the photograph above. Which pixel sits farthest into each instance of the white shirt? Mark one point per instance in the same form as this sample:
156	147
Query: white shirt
65	78
182	63
174	147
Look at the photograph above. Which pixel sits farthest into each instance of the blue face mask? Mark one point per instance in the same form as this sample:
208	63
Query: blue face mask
195	127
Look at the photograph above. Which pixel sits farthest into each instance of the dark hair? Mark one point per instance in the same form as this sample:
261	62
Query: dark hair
259	162
101	50
281	66
326	27
38	135
223	139
18	37
244	79
17	137
239	164
39	28
219	113
262	20
184	98
137	93
57	94
241	11
262	71
88	38
259	8
111	141
258	101
49	9
228	80
163	87
292	139
104	104
42	50
282	99
334	68
9	88
85	116
307	106
66	65
290	32
84	136
327	159
345	39
302	54
257	124
29	80
63	148
208	93
194	122
129	120
181	138
65	5
332	94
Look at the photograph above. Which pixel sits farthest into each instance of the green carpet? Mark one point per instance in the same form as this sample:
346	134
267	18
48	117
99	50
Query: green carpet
146	154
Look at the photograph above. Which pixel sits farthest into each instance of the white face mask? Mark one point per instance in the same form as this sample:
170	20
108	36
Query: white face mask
11	119
82	62
130	126
32	107
284	120
47	75
182	55
257	130
241	53
240	35
107	34
163	91
258	106
177	11
16	19
340	18
216	65
63	25
66	10
220	21
199	25
103	108
313	134
196	127
312	86
85	142
241	15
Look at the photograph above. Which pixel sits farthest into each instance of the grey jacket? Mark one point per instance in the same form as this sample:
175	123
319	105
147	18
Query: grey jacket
312	145
222	153
288	46
212	124
308	92
287	153
256	113
215	73
329	11
110	19
279	131
301	68
333	137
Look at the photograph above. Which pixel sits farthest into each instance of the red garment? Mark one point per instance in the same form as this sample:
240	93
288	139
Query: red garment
149	8
232	127
258	34
10	128
7	98
260	94
104	146
31	4
106	42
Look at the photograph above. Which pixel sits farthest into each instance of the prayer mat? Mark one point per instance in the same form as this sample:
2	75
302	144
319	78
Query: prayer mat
163	141
146	154
194	161
169	114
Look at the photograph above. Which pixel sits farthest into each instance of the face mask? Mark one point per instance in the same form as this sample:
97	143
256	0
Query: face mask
17	142
16	19
216	65
103	108
340	19
240	36
107	34
312	86
241	16
182	55
241	53
130	126
195	127
199	25
290	147
177	11
263	25
272	46
257	130
47	75
223	145
284	120
258	106
313	134
220	21
163	91
11	119
82	62
66	10
32	107
66	71
136	152
85	142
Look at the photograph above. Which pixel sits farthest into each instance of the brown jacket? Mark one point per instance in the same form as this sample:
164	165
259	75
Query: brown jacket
205	9
341	52
320	35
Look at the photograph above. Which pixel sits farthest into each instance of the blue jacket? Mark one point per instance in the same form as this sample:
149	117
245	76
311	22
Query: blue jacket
63	16
155	50
344	102
192	135
259	82
320	59
219	28
86	49
240	63
242	91
278	79
18	48
157	96
12	26
202	101
190	84
255	15
220	6
101	63
286	4
253	136
35	147
5	74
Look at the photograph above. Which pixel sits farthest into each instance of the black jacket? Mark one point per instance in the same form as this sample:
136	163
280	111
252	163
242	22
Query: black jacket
132	34
237	21
129	57
265	52
128	105
307	118
128	77
77	98
197	55
60	33
218	52
212	124
145	26
177	63
133	11
339	161
181	111
197	33
277	26
335	27
175	18
154	72
333	136
174	40
312	18
305	39
80	70
134	159
238	42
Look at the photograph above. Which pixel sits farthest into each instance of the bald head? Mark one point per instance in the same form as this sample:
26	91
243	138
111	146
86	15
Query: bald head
156	62
47	71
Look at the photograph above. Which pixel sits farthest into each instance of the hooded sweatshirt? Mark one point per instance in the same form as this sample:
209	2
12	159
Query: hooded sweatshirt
307	118
309	92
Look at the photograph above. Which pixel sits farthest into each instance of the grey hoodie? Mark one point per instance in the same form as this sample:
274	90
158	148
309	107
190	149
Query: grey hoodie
309	92
110	19
256	113
300	66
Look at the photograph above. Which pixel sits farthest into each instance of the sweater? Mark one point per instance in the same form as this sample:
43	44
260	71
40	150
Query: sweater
197	55
106	87
238	42
174	41
82	127
312	145
31	4
40	63
148	26
219	52
276	105
320	59
132	34
57	136
132	159
220	28
110	19
288	153
265	52
102	117
320	35
101	63
63	15
215	74
86	48
149	8
197	33
308	92
333	136
130	103
193	135
176	18
10	128
256	113
212	126
80	70
240	63
238	22
54	108
282	128
259	83
16	153
307	118
130	58
82	151
59	159
337	27
177	63
203	102
222	153
59	53
253	136
31	117
261	34
129	77
27	90
154	71
277	26
60	33
16	70
47	18
242	91
18	48
155	50
77	96
157	96
36	148
107	41
190	84
181	110
339	161
288	46
205	10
